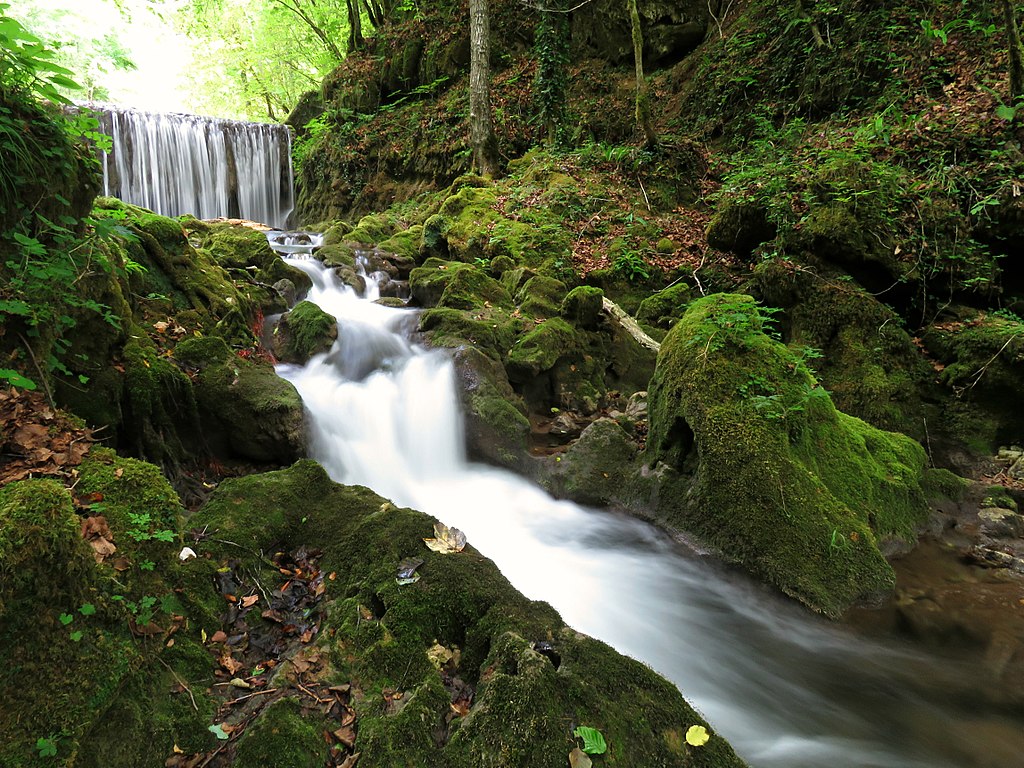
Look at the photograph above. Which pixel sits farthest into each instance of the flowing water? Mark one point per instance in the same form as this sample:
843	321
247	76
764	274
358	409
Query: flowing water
176	164
787	690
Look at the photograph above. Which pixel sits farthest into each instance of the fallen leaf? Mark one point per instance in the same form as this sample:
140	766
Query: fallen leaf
350	761
346	735
119	472
593	740
579	759
251	600
231	664
218	730
446	540
238	682
219	637
697	735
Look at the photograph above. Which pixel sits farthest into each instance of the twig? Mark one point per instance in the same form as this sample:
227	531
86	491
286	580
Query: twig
697	279
181	682
306	690
648	202
928	441
981	371
250	695
39	370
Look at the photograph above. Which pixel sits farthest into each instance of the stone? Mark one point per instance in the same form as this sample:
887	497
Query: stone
1001	523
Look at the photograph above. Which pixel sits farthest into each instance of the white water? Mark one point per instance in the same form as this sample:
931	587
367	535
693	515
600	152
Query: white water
787	690
175	164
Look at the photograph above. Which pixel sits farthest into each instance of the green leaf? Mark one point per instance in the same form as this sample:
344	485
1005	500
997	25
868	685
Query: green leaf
66	618
1006	112
217	731
87	609
46	747
76	637
15	379
593	740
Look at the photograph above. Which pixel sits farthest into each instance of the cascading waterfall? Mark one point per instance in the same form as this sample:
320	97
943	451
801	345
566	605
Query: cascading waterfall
175	164
788	690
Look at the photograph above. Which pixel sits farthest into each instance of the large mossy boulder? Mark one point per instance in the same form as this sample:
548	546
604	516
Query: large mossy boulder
379	635
247	410
801	494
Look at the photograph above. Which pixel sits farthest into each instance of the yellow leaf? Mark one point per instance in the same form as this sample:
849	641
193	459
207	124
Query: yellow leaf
697	736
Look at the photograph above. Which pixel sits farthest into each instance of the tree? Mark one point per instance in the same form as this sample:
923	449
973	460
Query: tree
1016	55
644	122
551	43
481	125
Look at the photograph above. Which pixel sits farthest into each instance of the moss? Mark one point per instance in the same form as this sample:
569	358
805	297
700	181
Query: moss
540	349
869	362
305	331
405	243
496	425
340	255
994	496
377	633
661	310
983	359
134	497
796	491
582	306
43	558
739	227
455	285
599	467
493	333
941	484
281	738
202	352
373	229
249	411
541	296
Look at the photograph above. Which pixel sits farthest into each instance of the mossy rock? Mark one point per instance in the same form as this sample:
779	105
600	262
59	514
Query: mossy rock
303	332
599	468
661	310
540	349
248	411
497	430
455	285
868	361
983	366
373	229
523	701
801	494
43	558
582	306
541	296
282	737
739	227
405	249
493	333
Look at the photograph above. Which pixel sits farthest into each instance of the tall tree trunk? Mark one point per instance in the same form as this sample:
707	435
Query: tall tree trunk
481	126
355	27
643	100
1016	54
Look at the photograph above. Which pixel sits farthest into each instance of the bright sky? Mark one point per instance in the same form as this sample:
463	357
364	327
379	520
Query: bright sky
162	55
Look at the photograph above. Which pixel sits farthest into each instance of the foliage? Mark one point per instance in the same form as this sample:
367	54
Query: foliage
593	740
551	47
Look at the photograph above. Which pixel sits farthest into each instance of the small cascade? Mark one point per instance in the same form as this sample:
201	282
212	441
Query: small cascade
178	164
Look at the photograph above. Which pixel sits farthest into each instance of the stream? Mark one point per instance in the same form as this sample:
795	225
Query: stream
787	689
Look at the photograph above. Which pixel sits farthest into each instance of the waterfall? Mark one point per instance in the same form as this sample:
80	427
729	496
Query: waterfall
786	688
177	164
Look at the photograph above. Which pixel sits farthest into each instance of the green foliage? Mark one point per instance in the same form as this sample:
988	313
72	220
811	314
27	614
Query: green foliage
593	740
631	265
551	46
27	66
47	747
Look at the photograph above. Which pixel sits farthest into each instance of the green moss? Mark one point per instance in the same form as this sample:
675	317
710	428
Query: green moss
540	349
782	482
455	285
493	333
305	331
541	296
582	306
405	243
995	496
249	411
43	558
661	310
281	738
202	352
373	229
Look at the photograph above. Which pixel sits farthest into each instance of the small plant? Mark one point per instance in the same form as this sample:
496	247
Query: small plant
47	746
631	265
142	529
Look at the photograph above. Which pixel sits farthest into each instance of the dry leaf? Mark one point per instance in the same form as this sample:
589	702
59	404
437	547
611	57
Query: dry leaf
579	759
446	540
251	600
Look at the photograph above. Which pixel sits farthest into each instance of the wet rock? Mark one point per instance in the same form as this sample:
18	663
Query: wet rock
286	290
1000	523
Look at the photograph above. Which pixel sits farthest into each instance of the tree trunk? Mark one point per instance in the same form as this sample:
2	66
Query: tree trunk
643	101
481	126
355	26
1016	54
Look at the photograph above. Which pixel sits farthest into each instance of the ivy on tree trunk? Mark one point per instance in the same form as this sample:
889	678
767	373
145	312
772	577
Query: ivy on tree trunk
643	103
1016	54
